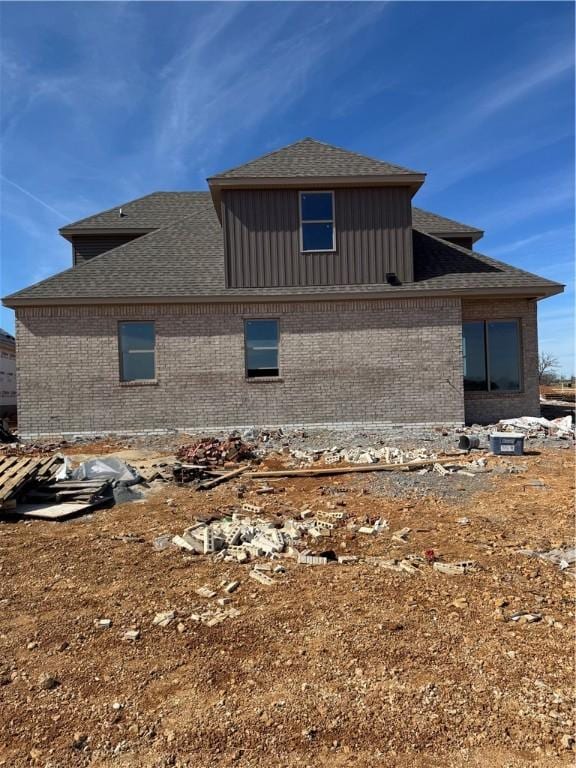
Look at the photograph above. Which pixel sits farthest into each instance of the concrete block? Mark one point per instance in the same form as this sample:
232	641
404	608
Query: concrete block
181	542
252	509
164	618
454	569
401	536
261	577
312	560
205	592
208	541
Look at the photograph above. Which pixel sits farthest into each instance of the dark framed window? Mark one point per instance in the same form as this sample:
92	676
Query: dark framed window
137	345
261	340
491	351
317	227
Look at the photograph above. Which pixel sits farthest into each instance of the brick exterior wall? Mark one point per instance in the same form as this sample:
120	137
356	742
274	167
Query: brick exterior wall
489	407
378	362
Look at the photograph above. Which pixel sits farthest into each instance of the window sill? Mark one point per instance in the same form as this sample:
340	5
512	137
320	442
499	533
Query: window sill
139	383
262	379
480	394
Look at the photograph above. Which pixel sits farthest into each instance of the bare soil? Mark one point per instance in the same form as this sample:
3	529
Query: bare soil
337	665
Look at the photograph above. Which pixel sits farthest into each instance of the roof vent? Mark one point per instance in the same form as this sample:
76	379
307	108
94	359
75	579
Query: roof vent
120	212
392	278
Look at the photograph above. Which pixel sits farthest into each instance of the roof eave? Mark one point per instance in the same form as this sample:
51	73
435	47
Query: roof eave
531	292
68	232
474	235
216	183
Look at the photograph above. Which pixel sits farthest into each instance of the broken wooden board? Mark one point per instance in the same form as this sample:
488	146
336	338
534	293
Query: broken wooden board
221	478
53	511
311	472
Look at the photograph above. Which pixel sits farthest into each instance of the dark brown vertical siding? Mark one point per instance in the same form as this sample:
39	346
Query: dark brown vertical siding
86	247
262	238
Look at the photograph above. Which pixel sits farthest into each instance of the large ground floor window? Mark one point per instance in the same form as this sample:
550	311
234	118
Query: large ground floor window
491	350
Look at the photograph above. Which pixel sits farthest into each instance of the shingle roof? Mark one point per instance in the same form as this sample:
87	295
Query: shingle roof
145	213
309	157
160	209
152	211
435	224
185	260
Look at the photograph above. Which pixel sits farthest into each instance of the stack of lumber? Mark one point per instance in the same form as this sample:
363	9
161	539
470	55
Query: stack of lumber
29	488
18	473
88	491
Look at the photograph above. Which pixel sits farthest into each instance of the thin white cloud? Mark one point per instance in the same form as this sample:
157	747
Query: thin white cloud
522	243
447	136
553	192
34	197
209	98
510	90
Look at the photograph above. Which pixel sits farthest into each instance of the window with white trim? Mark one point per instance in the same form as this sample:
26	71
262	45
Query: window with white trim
261	341
317	226
137	345
491	350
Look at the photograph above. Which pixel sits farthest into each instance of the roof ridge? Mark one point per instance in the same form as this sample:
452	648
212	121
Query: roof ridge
311	140
363	156
261	157
108	210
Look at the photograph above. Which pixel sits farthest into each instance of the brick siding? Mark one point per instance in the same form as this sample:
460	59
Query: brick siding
354	362
489	407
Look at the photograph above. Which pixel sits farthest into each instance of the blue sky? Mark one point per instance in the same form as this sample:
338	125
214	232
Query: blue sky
104	102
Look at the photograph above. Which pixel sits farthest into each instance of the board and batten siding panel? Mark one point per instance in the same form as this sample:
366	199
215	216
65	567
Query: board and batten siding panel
86	247
262	238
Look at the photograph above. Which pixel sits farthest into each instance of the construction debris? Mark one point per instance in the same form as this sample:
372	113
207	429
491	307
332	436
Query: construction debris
562	427
454	569
210	451
164	619
564	558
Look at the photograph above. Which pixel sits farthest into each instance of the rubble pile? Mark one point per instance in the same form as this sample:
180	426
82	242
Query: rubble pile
243	538
358	455
211	451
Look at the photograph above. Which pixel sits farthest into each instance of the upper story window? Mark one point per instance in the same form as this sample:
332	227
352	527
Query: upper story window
317	230
491	352
137	342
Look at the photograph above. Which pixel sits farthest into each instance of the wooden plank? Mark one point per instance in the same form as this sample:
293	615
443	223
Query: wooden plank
80	484
6	462
18	475
50	465
347	470
221	479
53	511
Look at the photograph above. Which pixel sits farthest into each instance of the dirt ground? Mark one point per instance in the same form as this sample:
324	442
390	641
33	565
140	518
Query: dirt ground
336	665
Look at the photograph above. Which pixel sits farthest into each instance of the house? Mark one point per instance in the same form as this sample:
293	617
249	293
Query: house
302	288
7	375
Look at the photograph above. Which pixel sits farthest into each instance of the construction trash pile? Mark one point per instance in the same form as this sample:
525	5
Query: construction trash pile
210	451
48	488
244	538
